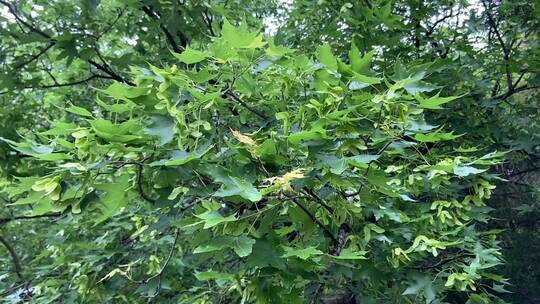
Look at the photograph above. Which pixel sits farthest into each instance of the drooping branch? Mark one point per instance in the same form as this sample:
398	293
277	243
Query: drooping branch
14	258
524	171
506	95
319	200
167	260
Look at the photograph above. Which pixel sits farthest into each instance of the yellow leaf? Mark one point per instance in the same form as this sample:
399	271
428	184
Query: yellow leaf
283	182
243	138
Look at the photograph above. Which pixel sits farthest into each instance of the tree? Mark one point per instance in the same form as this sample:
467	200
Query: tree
233	166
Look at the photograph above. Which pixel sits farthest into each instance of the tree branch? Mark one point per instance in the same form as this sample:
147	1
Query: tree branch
319	200
169	256
140	189
506	51
432	28
35	57
104	68
524	171
14	257
515	90
237	99
315	220
30	217
170	38
12	10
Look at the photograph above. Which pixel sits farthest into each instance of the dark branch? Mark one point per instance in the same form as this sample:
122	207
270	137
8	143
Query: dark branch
524	171
430	31
506	51
14	257
102	67
315	220
319	200
35	57
12	10
170	38
105	68
67	84
169	256
232	96
515	90
30	217
140	189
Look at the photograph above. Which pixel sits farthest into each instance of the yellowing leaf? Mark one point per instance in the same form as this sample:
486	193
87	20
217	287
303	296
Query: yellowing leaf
283	182
243	138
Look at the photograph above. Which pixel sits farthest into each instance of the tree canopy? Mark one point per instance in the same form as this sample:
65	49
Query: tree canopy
269	151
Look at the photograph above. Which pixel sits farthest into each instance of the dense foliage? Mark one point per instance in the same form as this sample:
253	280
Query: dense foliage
170	151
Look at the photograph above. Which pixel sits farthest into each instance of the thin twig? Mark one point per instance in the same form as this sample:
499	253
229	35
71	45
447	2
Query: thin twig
167	260
35	57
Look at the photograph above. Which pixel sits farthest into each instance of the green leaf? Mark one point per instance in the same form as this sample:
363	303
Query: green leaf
350	254
113	198
79	111
213	218
213	275
325	56
302	253
118	107
162	127
360	64
182	157
215	244
191	56
240	37
362	160
435	137
234	186
359	81
423	283
435	102
467	170
296	138
115	132
243	245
